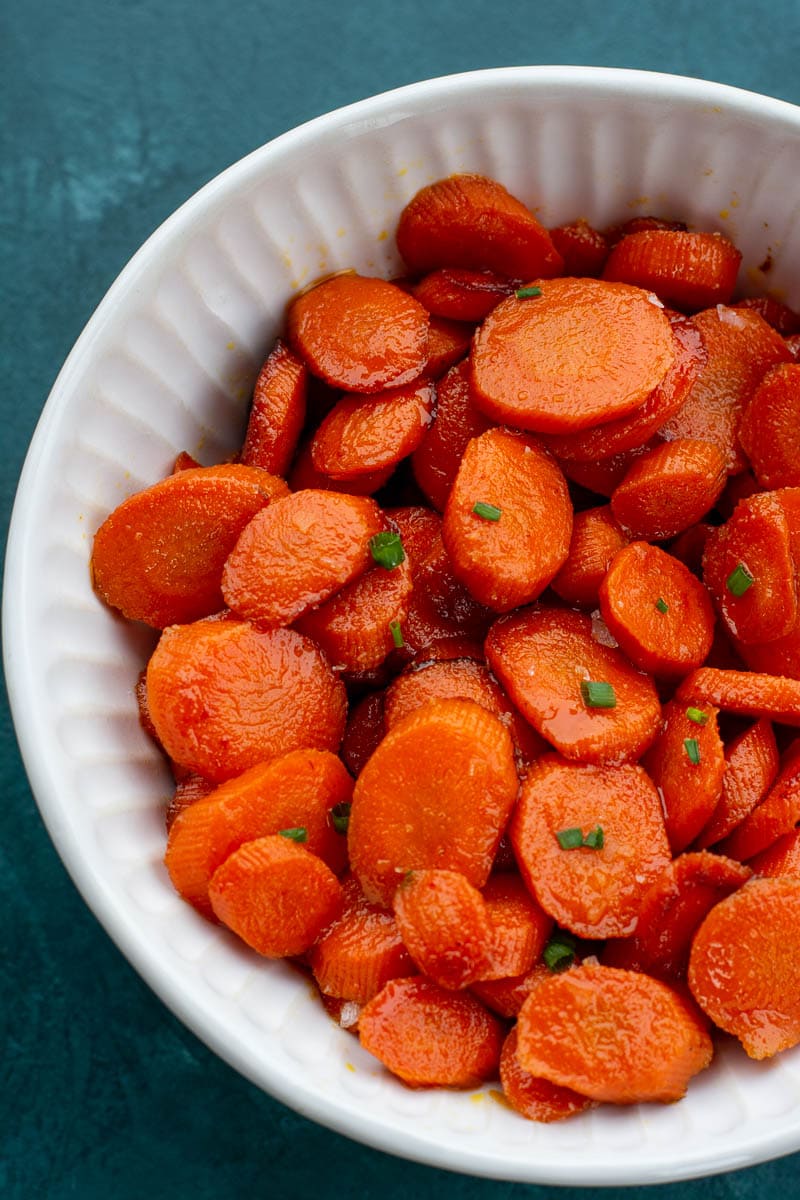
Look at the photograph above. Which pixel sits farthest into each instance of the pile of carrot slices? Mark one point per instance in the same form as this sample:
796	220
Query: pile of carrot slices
479	671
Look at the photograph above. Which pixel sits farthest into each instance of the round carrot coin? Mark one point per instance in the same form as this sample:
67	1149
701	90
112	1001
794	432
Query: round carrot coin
770	428
436	461
596	538
687	764
686	269
669	488
445	925
536	1099
362	434
277	412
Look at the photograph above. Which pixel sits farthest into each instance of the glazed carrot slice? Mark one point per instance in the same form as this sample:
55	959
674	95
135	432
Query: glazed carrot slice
615	233
660	615
442	611
536	1099
276	895
445	926
672	911
298	790
519	926
581	353
776	815
606	474
363	434
596	538
612	1035
314	544
364	730
224	696
782	318
277	412
436	461
748	693
751	764
738	488
741	348
589	842
437	792
782	858
189	788
304	476
508	520
471	221
419	530
583	248
690	545
448	343
507	996
158	557
770	428
359	334
184	462
744	969
687	765
782	655
429	1036
542	657
460	294
361	951
669	488
687	270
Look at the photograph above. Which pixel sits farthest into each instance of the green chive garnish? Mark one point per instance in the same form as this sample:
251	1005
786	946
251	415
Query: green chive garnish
739	580
387	550
397	634
595	838
662	605
340	816
692	748
597	694
488	511
570	839
559	953
527	293
298	834
697	715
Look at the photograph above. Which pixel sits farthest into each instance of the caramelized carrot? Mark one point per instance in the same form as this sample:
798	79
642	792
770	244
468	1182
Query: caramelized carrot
606	474
507	996
442	611
687	764
445	926
751	764
770	428
776	815
747	693
190	788
364	730
419	530
519	927
536	1099
439	455
304	476
781	858
596	538
780	656
782	318
460	294
277	412
687	270
448	343
738	488
615	233
690	545
583	249
364	434
669	488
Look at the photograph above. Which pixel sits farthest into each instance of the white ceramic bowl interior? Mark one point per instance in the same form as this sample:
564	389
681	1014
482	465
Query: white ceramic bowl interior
166	364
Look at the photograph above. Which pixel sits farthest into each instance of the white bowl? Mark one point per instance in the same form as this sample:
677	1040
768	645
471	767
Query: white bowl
166	364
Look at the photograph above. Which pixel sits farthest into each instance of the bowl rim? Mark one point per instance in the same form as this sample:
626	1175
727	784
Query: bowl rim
381	109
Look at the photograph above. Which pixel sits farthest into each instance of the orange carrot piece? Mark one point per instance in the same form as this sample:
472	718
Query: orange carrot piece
508	520
687	270
747	693
461	295
436	461
751	764
669	488
277	413
188	790
437	792
313	545
671	913
770	428
419	530
782	318
582	353
448	343
781	858
158	557
687	764
534	1098
445	926
224	696
276	895
744	970
520	926
596	538
690	545
776	815
364	730
304	476
507	996
471	221
738	488
363	434
612	1035
660	615
583	249
442	611
184	462
361	951
359	334
594	890
606	474
542	656
615	233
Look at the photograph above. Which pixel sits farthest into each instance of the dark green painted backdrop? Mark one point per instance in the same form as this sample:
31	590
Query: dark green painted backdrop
112	114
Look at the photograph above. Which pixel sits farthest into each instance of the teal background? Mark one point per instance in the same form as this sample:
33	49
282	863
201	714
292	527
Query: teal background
113	114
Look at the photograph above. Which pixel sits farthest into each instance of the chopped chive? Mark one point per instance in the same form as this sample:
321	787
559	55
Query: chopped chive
559	953
662	605
340	816
697	715
692	748
595	838
570	839
739	580
387	550
397	634
488	511
527	293
597	694
298	834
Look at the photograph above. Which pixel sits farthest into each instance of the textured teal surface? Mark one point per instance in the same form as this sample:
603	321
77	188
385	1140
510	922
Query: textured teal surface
112	115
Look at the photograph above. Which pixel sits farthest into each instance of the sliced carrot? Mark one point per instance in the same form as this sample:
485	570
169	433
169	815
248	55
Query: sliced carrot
508	519
781	858
519	926
606	474
276	895
660	615
419	529
687	765
188	790
364	434
534	1098
581	353
593	888
612	1035
748	693
770	428
543	656
359	334
672	911
224	696
145	719
507	996
776	815
365	729
744	969
741	348
471	221
460	294
361	951
583	248
304	476
596	538
442	611
748	567
313	545
751	764
158	557
448	343
687	270
445	926
738	488
669	488
782	318
439	455
690	545
184	462
615	233
437	792
782	655
428	1036
277	412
